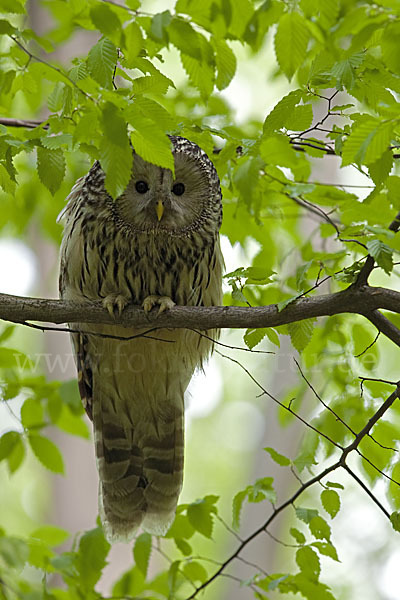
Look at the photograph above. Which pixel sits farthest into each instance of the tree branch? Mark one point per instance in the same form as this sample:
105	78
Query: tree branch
364	300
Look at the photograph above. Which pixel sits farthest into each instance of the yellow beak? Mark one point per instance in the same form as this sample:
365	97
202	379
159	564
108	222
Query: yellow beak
159	210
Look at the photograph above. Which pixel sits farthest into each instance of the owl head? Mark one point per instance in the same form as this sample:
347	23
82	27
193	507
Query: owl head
156	201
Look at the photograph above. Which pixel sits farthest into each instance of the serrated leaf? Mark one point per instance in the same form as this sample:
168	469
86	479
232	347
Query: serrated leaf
133	41
115	152
47	453
356	144
56	97
278	458
253	337
183	546
301	333
298	535
327	549
308	562
382	253
142	551
51	535
320	528
57	141
237	505
185	38
159	23
291	41
201	73
331	502
273	336
51	167
226	63
200	515
306	514
277	118
91	557
105	19
101	62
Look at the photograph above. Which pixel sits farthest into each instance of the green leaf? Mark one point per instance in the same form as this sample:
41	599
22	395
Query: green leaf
200	515
394	487
185	38
195	571
133	41
47	453
320	528
101	62
12	448
326	549
253	337
332	484
382	254
278	116
395	520
278	458
153	145
298	535
291	41
51	535
201	73
32	413
105	19
142	551
237	505
226	63
115	152
91	557
51	167
308	562
331	502
306	514
159	23
14	552
301	333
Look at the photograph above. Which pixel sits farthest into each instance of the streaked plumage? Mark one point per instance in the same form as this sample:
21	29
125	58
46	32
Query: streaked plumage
145	245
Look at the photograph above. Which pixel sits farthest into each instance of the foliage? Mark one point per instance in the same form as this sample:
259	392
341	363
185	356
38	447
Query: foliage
341	61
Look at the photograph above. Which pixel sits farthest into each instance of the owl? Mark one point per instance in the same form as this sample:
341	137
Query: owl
156	245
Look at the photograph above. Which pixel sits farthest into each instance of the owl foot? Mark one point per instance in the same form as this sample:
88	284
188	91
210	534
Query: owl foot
115	303
165	303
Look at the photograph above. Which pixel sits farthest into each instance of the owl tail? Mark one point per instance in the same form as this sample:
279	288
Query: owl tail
141	470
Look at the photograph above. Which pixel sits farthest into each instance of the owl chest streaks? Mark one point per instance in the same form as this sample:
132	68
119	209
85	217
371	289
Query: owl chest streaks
155	244
116	260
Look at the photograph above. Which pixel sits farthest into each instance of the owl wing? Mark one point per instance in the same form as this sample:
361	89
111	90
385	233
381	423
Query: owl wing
85	375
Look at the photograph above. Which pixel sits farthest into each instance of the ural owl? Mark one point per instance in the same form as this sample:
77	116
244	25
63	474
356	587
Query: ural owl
156	244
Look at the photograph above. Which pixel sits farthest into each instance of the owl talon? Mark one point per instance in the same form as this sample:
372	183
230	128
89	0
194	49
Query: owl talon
165	303
115	303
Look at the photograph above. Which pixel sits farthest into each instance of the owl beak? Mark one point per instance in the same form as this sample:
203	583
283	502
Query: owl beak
160	210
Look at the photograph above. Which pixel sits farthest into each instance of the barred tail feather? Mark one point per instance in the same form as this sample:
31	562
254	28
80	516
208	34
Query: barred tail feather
141	471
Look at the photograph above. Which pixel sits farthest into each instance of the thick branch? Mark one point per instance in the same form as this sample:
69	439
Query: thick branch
361	300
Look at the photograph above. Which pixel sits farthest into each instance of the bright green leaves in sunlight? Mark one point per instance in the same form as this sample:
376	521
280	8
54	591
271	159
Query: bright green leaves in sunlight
291	42
101	62
261	490
115	152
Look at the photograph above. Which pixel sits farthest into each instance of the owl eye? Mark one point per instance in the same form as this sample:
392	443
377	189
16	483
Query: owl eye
178	189
141	187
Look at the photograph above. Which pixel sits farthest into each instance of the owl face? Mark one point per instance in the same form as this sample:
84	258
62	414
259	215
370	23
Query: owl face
157	201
